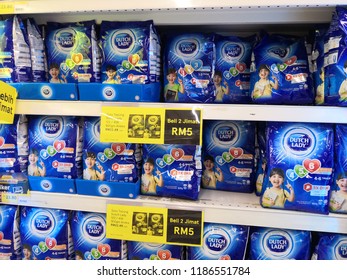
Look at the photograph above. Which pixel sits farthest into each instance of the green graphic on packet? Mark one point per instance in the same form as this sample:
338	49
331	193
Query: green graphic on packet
95	253
233	71
282	67
300	171
227	157
43	247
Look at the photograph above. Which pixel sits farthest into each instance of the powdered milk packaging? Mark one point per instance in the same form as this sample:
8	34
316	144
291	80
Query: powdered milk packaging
232	74
55	146
10	245
331	246
154	251
70	52
14	145
171	170
116	162
338	196
89	238
44	233
15	63
282	73
221	242
279	244
299	166
261	160
189	62
228	155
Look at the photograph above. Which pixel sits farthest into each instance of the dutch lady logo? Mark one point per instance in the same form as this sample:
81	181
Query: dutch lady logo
216	241
93	228
187	48
226	134
42	223
51	127
299	142
277	244
232	51
123	41
341	250
65	39
278	52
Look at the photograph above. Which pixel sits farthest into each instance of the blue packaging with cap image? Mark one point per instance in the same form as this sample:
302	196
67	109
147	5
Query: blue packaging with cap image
330	246
171	171
89	238
10	245
189	62
221	242
154	251
281	73
279	244
300	161
228	155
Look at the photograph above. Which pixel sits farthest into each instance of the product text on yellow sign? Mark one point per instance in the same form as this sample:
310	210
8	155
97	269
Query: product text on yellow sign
8	97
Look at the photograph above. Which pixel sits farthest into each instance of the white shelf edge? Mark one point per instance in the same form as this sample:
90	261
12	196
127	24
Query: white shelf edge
218	207
252	112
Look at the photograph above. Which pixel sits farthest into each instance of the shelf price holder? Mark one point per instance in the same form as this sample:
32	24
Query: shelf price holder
156	225
146	125
12	7
8	97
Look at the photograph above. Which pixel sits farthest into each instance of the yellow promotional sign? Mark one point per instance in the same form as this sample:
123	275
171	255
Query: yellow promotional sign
151	125
8	97
12	7
13	198
156	225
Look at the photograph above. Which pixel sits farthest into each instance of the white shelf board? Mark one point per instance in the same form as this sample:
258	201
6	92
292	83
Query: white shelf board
218	207
252	112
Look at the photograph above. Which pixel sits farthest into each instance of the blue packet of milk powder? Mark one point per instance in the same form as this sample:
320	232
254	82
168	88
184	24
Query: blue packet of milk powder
232	74
281	73
189	63
15	62
300	160
10	245
44	233
154	251
279	244
70	52
221	242
330	246
14	145
113	162
89	238
55	146
261	160
171	171
228	155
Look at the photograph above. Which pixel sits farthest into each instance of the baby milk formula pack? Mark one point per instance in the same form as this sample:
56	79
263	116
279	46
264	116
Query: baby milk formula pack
129	52
44	233
113	162
338	195
55	146
154	251
89	238
10	245
331	246
261	160
299	166
14	145
15	63
232	73
281	73
228	155
171	171
189	62
70	52
221	242
279	244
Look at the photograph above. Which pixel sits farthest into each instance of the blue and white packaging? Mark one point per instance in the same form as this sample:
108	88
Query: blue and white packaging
279	244
171	171
89	237
189	63
281	73
300	160
14	145
70	53
261	160
221	242
55	146
232	73
154	251
44	233
338	195
10	245
15	62
331	246
228	155
112	162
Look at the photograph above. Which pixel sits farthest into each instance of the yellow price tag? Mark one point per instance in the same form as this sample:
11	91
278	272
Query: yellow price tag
156	225
8	97
7	7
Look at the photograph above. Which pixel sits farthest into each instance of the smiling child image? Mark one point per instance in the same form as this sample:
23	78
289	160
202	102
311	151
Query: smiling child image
338	198
35	167
149	182
90	173
263	87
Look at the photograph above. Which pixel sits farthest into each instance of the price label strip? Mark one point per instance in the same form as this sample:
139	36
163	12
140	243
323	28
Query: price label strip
157	225
8	97
12	7
151	125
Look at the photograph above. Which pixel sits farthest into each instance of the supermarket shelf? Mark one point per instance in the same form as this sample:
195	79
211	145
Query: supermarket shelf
253	112
218	207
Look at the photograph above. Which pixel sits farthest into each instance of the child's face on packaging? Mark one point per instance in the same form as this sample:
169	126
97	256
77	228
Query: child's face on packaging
148	168
263	73
217	79
171	78
54	72
276	180
111	73
33	158
209	164
90	162
342	183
